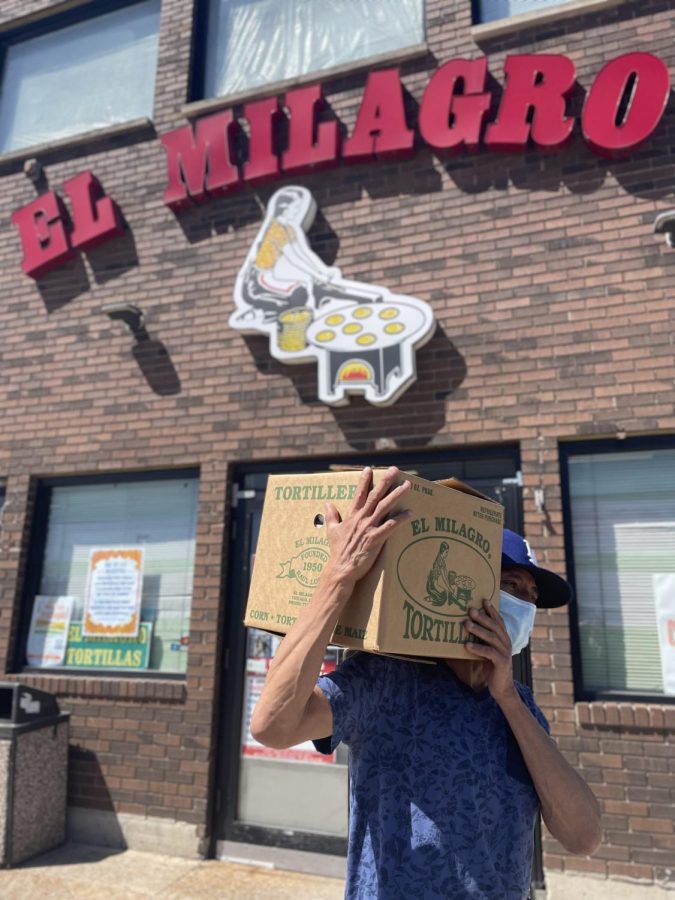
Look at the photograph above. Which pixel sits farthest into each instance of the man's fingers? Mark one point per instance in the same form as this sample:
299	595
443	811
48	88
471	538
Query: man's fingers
386	528
380	490
332	515
483	651
484	629
362	489
387	503
494	615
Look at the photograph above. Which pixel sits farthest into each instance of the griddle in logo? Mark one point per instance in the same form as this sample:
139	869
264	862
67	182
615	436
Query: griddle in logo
306	567
426	573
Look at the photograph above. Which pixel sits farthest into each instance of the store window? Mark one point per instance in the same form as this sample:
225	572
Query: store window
491	10
111	572
249	43
70	74
621	541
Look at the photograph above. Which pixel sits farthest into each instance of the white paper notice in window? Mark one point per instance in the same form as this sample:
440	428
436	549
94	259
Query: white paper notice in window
48	632
112	602
664	595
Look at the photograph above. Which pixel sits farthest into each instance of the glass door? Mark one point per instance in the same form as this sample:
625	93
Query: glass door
297	798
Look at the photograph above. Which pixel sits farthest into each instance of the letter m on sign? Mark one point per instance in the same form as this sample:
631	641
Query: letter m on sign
200	162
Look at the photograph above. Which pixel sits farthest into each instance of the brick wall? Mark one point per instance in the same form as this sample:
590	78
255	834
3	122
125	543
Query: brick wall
555	322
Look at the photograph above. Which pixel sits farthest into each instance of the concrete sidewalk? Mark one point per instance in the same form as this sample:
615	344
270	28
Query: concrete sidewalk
82	872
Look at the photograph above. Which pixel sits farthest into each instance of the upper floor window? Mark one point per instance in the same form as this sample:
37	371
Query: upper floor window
622	526
491	10
71	74
250	43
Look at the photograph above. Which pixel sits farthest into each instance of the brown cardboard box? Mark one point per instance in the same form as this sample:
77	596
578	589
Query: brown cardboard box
414	601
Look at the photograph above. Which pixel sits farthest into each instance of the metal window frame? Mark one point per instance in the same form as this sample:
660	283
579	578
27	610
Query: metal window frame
43	488
598	447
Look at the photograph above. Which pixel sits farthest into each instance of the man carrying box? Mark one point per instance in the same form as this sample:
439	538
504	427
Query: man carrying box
449	763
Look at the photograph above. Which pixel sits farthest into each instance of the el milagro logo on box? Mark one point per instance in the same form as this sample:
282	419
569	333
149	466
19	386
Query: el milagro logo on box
307	565
439	591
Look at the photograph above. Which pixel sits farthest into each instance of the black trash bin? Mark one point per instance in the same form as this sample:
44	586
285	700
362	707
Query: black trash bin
33	772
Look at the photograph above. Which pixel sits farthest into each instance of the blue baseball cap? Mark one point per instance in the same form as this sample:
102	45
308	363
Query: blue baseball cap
553	590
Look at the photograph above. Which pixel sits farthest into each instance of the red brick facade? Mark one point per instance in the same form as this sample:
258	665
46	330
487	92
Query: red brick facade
553	298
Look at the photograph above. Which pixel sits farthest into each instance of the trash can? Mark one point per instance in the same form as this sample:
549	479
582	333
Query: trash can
33	772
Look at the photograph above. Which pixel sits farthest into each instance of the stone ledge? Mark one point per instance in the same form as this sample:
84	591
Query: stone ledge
625	715
109	688
198	108
76	141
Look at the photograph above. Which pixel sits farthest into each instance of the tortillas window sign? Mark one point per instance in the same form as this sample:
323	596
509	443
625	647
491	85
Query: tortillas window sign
362	336
623	107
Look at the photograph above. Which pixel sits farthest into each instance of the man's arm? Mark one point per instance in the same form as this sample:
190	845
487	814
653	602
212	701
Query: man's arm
291	709
568	806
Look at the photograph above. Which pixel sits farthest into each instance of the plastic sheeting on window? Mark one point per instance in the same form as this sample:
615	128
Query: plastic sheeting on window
256	42
88	75
491	10
623	531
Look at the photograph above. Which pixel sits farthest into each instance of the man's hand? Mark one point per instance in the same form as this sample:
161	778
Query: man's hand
356	540
488	625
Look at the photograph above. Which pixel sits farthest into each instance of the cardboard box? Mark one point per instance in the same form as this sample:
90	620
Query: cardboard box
415	600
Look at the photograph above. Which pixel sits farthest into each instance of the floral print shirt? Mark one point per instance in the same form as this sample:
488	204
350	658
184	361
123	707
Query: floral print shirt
441	803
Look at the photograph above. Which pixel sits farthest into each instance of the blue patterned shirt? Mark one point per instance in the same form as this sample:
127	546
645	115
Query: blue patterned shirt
441	803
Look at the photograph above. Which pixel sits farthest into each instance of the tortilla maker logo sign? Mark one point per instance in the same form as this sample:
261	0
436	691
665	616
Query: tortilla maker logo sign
426	573
363	336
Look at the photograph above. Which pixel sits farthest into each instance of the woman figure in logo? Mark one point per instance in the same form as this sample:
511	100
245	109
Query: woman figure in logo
439	581
282	272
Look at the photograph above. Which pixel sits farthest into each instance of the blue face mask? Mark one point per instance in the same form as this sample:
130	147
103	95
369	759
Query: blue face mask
518	616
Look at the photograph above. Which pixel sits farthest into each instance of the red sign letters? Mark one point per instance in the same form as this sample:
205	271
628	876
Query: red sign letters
48	238
624	105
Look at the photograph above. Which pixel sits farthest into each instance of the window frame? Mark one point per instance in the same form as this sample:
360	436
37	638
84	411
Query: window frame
197	99
14	32
563	9
599	447
476	8
35	562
